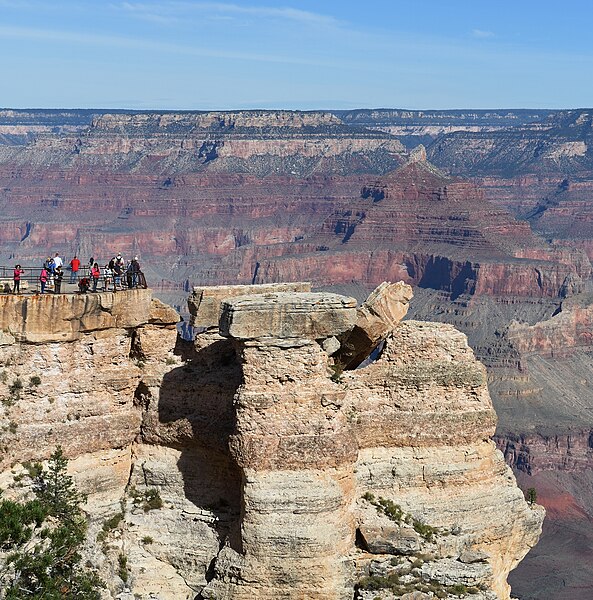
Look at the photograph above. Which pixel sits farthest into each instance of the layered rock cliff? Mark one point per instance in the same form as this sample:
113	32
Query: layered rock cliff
249	464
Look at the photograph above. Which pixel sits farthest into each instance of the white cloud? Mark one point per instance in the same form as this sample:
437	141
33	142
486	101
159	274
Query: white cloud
177	9
482	34
68	37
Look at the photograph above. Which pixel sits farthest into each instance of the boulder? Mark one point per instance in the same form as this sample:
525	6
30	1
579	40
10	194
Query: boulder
310	315
6	339
385	307
385	539
204	302
162	314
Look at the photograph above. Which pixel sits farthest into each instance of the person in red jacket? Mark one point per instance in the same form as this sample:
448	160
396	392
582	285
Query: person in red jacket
43	277
17	279
95	274
74	266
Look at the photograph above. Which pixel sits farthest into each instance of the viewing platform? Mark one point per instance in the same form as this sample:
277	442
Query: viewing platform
65	317
31	284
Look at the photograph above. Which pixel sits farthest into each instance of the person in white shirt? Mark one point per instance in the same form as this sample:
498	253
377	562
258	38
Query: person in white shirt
58	261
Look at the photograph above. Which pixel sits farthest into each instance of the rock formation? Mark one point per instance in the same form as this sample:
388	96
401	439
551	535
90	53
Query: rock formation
248	465
316	452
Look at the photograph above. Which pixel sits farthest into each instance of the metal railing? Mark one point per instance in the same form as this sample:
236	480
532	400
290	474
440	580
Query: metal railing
105	283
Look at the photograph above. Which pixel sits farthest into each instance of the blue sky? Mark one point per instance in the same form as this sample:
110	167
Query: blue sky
166	54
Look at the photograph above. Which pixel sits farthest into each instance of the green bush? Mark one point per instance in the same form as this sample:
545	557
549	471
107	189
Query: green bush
149	499
395	513
109	526
337	371
122	571
43	538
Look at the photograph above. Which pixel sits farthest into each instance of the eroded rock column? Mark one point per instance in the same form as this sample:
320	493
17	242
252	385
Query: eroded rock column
295	449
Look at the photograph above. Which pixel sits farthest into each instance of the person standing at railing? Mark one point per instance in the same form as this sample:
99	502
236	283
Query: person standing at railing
43	279
58	275
49	265
117	275
135	271
17	279
74	266
95	274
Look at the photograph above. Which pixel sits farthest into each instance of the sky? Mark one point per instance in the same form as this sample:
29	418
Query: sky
186	55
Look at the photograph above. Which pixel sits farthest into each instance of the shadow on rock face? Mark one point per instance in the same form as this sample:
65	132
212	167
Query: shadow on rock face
196	416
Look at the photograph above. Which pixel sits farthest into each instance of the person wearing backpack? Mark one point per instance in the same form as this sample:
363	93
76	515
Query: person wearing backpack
135	265
58	275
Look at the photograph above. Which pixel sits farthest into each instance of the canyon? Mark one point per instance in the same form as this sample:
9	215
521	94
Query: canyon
488	220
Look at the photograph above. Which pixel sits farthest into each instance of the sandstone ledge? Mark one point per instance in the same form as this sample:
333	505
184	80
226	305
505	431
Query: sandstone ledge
287	315
204	302
64	317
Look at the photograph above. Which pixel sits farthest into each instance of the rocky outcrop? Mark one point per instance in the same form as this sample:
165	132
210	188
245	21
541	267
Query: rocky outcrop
314	450
385	307
68	317
249	466
70	367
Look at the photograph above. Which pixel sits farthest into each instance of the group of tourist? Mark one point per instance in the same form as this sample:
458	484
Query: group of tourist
116	272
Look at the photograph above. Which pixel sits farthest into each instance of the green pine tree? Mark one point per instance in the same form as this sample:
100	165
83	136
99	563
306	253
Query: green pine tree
43	538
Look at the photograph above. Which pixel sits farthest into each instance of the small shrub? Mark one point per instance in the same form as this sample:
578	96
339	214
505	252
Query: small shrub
34	381
33	469
458	589
14	393
337	371
531	496
147	540
149	499
109	526
12	427
153	500
3	377
122	571
16	386
373	582
426	531
395	513
170	360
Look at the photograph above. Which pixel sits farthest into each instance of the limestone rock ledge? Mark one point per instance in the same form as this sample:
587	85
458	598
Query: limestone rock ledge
277	475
